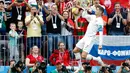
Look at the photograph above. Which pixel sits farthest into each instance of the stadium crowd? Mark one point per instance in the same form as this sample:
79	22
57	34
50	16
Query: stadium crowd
29	24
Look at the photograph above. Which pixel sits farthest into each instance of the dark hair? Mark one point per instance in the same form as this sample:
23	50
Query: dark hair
65	11
2	2
100	8
116	3
11	61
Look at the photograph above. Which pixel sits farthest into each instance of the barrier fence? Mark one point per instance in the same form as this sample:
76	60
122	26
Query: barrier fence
115	48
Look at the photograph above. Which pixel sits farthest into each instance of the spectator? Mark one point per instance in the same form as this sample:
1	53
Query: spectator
117	21
18	11
107	69
127	27
61	54
8	15
82	3
35	68
12	64
21	40
34	23
53	27
13	46
3	18
76	15
34	57
67	28
61	6
82	23
86	68
43	10
49	4
125	67
59	68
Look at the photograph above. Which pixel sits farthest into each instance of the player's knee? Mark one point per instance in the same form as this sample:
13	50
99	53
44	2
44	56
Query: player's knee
84	55
76	50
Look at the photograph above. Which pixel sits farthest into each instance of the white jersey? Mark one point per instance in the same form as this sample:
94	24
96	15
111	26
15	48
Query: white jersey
95	24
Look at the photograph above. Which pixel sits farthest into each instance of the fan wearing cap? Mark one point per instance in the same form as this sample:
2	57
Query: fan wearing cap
60	54
59	67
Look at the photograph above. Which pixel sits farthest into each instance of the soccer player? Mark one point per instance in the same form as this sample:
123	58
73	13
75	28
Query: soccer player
95	25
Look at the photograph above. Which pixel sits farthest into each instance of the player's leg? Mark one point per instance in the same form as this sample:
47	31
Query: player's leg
77	53
86	50
76	50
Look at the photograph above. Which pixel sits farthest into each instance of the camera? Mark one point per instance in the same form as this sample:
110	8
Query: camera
40	66
64	69
87	66
125	64
20	65
19	1
34	13
109	69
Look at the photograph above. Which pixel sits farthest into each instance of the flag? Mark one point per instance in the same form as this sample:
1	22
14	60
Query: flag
116	49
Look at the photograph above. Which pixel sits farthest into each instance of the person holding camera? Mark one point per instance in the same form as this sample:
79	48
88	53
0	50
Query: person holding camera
11	63
125	67
59	68
16	68
108	69
35	69
86	68
34	23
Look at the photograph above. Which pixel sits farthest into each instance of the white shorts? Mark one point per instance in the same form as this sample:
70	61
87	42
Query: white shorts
86	43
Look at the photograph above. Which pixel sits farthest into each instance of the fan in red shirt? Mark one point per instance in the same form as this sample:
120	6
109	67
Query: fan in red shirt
34	57
61	54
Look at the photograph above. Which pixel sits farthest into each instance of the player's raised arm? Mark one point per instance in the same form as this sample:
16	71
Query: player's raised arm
86	15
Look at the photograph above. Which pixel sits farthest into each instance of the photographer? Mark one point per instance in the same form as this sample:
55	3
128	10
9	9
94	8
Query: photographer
11	63
18	68
86	68
125	67
59	68
38	68
108	69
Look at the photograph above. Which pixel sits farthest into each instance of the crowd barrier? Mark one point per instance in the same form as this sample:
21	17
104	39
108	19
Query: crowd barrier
95	69
115	48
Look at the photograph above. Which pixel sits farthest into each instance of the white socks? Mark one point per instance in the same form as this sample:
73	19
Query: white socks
89	57
77	56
